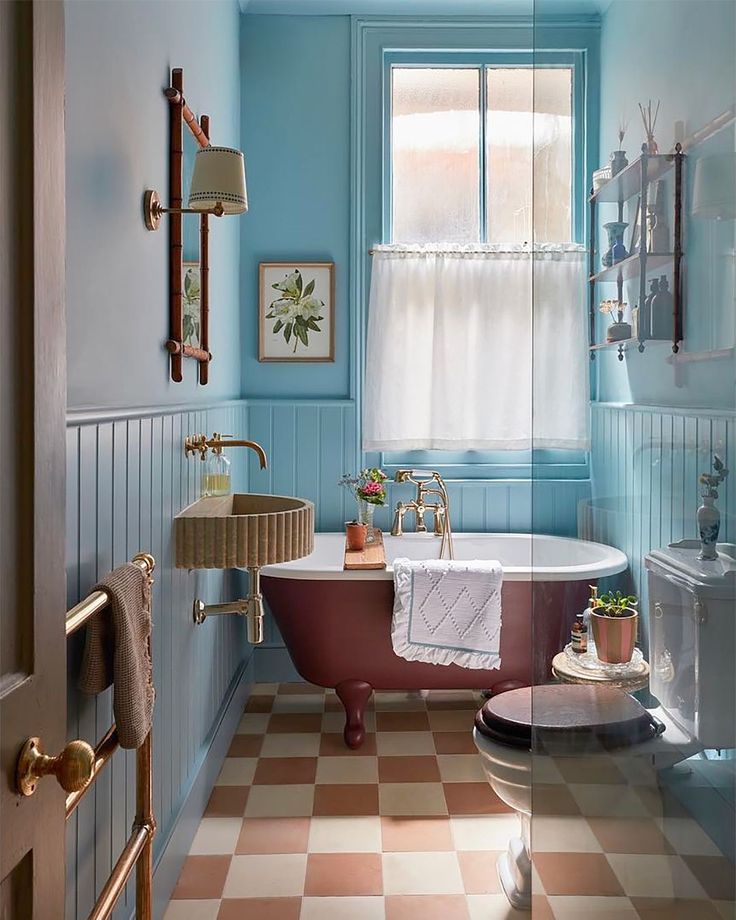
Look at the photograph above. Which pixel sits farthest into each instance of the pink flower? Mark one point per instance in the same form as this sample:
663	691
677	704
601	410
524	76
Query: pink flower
372	488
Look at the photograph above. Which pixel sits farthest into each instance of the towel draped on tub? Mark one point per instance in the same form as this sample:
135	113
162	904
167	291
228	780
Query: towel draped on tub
448	612
116	651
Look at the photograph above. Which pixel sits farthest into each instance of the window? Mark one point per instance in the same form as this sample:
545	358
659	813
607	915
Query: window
481	154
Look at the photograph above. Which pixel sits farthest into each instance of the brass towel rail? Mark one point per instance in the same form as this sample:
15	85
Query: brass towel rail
138	851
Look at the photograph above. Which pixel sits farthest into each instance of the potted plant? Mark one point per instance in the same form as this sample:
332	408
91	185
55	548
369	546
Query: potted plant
618	331
369	489
614	621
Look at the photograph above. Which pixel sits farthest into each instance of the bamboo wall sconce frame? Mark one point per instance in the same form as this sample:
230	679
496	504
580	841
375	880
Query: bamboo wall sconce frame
218	188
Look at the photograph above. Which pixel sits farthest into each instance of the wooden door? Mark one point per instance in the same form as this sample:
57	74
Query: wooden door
32	418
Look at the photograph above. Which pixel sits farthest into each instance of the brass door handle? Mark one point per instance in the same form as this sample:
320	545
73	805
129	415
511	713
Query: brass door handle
73	768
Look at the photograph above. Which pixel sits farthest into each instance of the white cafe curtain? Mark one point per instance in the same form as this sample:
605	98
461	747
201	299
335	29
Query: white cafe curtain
476	348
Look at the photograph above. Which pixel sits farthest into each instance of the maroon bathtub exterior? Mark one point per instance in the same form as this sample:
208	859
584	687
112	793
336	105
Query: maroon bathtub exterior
338	633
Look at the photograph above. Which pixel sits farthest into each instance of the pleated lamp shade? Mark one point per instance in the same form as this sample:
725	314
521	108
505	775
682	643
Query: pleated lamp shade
219	178
714	187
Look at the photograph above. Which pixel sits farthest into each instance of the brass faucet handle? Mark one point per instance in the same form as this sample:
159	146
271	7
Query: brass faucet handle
73	768
195	444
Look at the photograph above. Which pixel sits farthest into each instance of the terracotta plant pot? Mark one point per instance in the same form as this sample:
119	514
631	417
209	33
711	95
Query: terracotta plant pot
614	637
357	534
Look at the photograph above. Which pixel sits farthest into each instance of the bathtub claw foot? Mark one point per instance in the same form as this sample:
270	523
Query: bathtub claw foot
354	694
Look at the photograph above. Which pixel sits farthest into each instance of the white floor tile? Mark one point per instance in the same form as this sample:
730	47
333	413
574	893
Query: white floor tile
342	909
299	744
588	908
294	801
406	701
237	771
421	873
192	910
687	837
461	768
338	770
266	876
484	832
404	744
328	834
253	723
655	876
215	836
563	835
608	801
411	799
264	689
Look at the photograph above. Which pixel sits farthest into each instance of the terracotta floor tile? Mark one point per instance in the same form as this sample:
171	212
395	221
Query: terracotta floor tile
259	704
667	909
452	720
716	874
260	909
416	834
600	769
402	721
580	874
630	835
354	799
227	802
553	800
299	702
479	873
288	722
426	907
408	770
541	909
300	687
273	835
454	743
473	799
245	746
343	875
202	877
333	745
282	771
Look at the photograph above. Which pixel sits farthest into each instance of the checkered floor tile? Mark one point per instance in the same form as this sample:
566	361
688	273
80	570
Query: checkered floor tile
299	827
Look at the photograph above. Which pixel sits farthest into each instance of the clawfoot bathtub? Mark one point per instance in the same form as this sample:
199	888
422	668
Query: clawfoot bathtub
337	624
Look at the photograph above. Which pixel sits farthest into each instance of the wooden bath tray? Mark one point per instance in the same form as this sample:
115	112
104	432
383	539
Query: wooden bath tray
372	557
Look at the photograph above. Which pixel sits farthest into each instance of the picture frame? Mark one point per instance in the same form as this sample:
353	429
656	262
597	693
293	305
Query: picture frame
296	312
191	285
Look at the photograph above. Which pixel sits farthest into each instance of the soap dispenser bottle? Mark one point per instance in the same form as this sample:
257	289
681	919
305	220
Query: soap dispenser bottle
216	480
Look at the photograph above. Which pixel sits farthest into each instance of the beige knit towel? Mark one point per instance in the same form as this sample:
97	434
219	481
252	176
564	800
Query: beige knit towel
116	651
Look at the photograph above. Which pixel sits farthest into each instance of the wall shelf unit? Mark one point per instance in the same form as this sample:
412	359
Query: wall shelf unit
631	181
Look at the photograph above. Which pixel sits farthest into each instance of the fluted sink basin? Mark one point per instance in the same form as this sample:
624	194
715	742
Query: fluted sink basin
242	531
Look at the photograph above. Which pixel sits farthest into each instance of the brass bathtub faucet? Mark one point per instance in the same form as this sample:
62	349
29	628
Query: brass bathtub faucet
439	508
200	444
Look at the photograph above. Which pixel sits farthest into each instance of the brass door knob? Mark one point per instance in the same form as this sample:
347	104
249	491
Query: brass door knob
73	768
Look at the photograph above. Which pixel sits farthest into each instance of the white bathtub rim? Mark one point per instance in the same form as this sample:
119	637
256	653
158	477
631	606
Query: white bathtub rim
610	561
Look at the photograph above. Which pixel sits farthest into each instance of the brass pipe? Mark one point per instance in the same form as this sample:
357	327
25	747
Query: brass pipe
250	607
120	874
145	821
98	600
103	752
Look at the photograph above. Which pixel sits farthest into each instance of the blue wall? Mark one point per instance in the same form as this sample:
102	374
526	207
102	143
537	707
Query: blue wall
117	64
127	476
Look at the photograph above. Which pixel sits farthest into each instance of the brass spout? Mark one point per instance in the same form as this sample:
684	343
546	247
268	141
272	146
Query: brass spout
200	444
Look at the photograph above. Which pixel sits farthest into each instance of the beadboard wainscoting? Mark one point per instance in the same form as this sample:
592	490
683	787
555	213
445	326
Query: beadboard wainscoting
645	464
126	479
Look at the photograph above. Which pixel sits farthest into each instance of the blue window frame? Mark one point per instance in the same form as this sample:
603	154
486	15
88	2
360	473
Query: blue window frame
545	464
484	61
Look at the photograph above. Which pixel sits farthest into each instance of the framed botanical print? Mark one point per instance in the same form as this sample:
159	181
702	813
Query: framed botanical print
296	311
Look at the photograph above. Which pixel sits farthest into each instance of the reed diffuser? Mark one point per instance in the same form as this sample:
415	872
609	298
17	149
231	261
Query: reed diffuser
650	121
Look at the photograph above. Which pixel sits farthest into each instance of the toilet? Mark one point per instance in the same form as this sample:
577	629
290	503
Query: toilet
692	643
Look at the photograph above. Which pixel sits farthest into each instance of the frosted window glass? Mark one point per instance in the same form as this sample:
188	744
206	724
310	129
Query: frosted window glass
435	151
529	155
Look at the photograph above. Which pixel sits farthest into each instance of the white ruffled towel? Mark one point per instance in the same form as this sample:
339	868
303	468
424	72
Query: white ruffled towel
448	612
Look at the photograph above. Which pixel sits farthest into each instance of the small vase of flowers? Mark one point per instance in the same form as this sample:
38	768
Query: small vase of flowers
369	489
618	331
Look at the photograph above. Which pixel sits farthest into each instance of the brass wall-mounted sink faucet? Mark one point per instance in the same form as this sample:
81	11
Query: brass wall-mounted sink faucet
200	444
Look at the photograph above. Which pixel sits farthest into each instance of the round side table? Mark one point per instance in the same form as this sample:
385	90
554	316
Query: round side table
566	670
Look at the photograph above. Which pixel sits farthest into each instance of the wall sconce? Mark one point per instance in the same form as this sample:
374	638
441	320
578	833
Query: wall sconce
218	187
